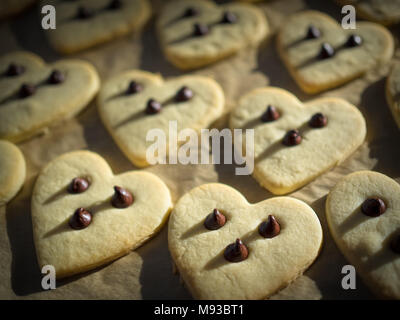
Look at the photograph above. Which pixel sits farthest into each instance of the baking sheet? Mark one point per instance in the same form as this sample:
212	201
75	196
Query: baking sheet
147	272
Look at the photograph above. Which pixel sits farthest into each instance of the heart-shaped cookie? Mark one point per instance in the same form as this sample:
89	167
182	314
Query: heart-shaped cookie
12	171
295	142
34	95
381	11
194	33
363	214
320	54
81	220
134	102
273	251
85	23
393	92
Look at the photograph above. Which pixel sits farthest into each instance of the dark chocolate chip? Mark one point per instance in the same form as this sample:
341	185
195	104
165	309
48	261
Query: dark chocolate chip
153	107
292	138
395	244
14	70
190	12
84	13
271	114
78	185
318	120
114	4
236	252
326	51
214	220
373	207
80	219
313	32
184	94
26	90
56	77
134	87
269	228
353	41
122	198
229	17
200	29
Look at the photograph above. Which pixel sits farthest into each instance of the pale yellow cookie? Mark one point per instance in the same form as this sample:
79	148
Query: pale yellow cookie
247	27
313	68
125	117
13	7
84	23
365	240
393	92
12	171
281	168
271	263
23	115
113	231
386	12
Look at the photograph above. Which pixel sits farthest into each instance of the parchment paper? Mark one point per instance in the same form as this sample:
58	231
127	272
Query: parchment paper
147	272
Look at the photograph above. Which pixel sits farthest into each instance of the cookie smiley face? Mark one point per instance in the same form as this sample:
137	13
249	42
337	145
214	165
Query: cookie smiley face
34	95
12	171
84	216
294	142
363	214
320	54
85	23
134	102
251	253
196	33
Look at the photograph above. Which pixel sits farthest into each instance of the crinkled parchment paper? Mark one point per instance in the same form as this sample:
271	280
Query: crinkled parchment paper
147	272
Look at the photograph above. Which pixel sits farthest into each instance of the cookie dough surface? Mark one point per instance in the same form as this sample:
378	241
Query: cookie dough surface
12	171
271	263
112	233
73	34
381	11
393	92
125	118
21	118
364	240
282	169
224	39
313	74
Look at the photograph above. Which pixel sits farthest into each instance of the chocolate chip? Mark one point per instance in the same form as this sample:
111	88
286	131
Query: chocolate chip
80	219
114	4
269	228
326	51
395	244
14	70
122	198
190	12
271	114
56	77
184	94
134	87
200	29
236	252
229	17
214	220
353	41
313	32
153	107
84	13
26	90
292	138
78	185
373	207
318	120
